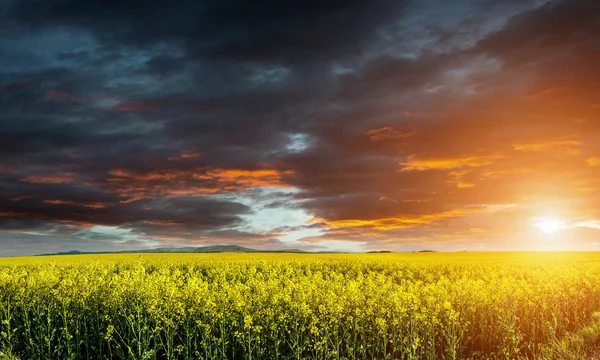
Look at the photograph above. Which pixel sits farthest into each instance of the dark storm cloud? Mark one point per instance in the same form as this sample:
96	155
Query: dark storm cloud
142	115
557	27
260	31
196	213
152	82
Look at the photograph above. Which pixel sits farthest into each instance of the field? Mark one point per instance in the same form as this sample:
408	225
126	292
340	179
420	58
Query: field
296	306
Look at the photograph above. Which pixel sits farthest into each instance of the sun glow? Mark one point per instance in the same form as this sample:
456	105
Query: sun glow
549	224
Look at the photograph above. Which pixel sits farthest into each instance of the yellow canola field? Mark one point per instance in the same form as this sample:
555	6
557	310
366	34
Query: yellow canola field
294	306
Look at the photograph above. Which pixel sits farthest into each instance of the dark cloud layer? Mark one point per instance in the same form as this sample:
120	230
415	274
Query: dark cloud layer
390	123
264	30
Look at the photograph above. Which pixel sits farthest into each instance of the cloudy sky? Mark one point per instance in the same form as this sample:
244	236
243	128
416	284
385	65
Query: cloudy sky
323	125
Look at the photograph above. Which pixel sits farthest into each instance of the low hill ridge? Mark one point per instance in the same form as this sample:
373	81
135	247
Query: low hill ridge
188	249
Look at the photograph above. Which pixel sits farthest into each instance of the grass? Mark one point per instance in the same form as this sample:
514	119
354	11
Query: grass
7	356
583	343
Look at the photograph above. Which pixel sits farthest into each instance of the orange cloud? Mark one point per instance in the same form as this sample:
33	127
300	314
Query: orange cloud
66	202
251	178
496	174
163	222
122	175
593	162
554	146
186	155
404	222
414	163
56	178
189	154
457	176
9	214
387	133
136	186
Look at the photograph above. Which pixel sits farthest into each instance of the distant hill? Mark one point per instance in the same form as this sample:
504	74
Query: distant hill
200	249
72	252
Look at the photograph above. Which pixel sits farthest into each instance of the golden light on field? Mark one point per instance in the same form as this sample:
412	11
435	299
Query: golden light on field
217	304
549	224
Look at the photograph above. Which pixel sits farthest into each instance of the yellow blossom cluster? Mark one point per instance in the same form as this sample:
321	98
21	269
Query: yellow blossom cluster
290	307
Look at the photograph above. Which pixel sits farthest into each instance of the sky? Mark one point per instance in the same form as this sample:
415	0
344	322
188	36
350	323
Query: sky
320	125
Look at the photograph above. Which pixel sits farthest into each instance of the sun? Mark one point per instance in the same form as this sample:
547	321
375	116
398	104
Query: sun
549	224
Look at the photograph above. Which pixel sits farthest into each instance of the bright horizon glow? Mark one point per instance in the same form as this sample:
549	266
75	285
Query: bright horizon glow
550	224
